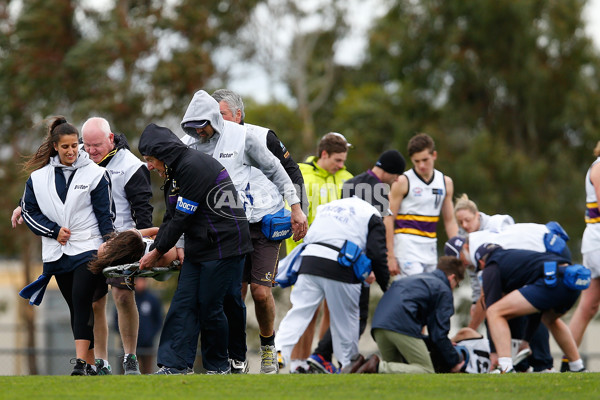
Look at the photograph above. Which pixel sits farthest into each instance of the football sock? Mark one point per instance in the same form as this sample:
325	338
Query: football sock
294	364
505	363
576	365
267	340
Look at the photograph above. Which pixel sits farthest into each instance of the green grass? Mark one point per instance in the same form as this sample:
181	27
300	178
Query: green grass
314	387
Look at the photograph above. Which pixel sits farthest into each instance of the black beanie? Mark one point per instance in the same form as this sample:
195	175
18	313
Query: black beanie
392	162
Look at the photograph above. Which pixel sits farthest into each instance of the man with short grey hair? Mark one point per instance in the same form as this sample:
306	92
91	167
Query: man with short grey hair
132	192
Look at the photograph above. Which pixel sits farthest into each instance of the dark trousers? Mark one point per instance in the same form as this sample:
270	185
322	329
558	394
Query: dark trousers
198	303
325	346
77	288
235	310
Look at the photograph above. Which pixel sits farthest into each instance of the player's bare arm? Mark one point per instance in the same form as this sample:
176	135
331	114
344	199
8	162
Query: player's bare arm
448	209
398	191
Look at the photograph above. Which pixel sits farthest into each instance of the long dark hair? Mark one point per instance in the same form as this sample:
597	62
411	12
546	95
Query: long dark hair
121	248
57	127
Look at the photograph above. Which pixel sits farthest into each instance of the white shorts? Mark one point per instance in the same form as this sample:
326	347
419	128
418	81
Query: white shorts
591	260
408	268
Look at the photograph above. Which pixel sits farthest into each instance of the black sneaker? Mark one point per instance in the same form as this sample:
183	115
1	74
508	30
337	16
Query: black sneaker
583	369
238	367
90	370
79	368
130	365
102	367
171	371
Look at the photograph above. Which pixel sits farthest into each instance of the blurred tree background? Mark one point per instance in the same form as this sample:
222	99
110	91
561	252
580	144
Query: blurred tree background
508	89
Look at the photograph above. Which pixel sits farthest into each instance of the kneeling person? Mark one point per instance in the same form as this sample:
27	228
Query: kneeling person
409	304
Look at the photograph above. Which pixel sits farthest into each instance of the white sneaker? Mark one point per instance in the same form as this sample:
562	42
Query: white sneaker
499	370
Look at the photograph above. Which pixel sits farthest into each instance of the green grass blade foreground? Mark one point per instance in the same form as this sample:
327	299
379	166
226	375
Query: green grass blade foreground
446	386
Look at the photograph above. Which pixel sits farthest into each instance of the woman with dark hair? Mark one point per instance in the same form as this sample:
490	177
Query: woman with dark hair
68	202
128	247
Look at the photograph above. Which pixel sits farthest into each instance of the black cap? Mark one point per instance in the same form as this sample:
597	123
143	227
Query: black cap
392	162
195	124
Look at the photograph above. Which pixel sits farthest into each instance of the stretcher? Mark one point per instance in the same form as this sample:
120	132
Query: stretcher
133	270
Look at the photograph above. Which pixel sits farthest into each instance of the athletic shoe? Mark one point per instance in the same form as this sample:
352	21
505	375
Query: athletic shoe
280	360
371	366
102	367
189	371
499	370
355	363
580	370
130	365
521	355
170	371
320	365
80	367
268	360
238	367
91	370
300	370
218	372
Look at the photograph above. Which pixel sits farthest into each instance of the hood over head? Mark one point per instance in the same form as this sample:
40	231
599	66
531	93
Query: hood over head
161	143
203	108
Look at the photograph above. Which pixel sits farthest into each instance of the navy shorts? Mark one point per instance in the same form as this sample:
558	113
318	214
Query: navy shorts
558	298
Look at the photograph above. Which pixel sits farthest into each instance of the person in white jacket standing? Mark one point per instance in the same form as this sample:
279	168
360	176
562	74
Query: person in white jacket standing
68	202
338	226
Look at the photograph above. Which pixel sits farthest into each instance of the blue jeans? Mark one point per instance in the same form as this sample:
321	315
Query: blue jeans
198	302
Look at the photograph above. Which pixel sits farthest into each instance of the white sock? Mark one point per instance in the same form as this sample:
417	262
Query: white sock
505	363
298	363
576	365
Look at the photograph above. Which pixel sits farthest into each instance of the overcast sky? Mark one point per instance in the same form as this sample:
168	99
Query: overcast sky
349	52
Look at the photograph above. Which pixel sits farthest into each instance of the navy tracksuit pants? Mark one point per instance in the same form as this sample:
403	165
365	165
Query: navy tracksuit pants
198	304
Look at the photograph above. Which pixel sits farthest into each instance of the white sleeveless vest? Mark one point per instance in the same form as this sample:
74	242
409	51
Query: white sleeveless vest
76	213
264	196
518	236
336	222
121	167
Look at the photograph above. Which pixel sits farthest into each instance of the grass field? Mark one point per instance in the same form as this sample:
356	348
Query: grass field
460	386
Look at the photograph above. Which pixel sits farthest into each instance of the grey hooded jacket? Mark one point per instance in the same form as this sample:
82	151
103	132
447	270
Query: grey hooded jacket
256	154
